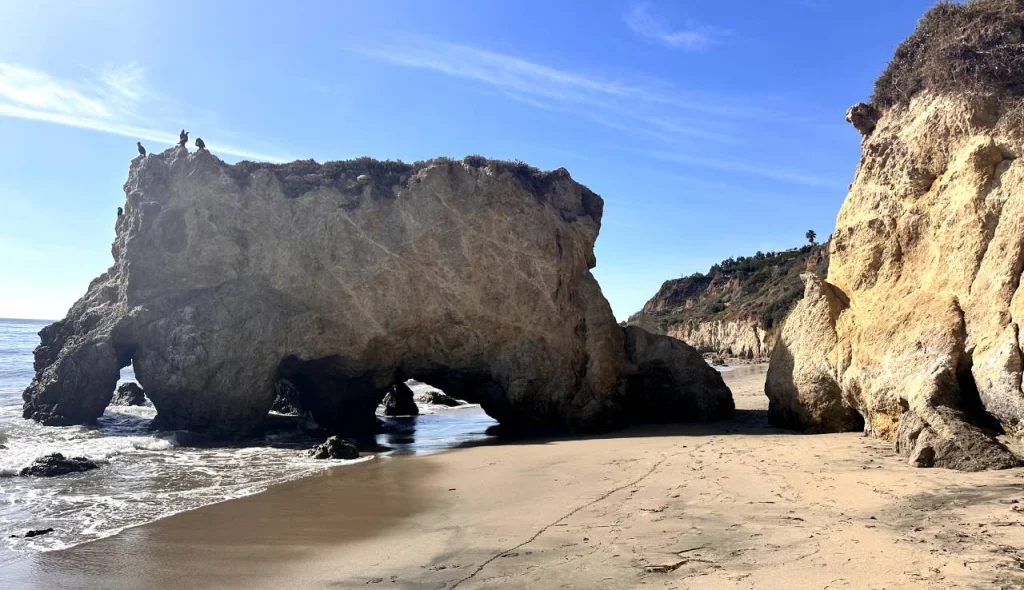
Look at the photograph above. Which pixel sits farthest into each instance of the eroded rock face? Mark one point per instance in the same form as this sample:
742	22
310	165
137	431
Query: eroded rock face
802	376
341	280
745	338
916	327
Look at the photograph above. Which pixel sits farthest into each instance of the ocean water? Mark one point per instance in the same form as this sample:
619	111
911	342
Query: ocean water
147	474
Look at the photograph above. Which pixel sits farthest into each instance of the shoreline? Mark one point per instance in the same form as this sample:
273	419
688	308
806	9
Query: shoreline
735	504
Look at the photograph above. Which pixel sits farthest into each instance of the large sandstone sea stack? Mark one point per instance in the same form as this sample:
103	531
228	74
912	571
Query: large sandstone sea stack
915	334
341	280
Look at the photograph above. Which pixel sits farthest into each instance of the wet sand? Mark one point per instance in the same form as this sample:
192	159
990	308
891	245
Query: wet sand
728	505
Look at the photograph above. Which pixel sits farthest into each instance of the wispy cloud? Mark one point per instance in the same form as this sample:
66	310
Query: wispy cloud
684	126
550	88
110	102
693	37
525	78
748	168
504	71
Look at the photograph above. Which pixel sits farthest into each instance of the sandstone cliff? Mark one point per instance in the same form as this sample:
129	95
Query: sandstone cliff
338	281
915	333
738	307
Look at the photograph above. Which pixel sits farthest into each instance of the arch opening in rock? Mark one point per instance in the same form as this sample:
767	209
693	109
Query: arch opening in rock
340	397
128	392
473	387
329	389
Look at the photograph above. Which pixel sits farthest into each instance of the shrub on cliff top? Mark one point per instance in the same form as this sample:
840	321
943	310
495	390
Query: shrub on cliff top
977	46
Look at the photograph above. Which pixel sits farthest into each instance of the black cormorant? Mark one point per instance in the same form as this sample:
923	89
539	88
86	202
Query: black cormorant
183	138
142	150
200	143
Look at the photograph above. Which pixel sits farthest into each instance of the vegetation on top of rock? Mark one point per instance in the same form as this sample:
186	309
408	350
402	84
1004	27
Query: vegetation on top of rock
765	286
977	46
303	176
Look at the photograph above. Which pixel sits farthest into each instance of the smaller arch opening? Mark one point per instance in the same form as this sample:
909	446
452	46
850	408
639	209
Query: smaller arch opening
331	391
129	409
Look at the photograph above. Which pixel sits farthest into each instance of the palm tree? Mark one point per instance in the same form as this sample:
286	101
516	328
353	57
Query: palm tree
811	236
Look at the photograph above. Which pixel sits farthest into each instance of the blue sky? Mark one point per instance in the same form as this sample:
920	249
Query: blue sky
711	128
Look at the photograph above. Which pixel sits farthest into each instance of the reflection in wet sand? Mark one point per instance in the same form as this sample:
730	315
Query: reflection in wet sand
432	433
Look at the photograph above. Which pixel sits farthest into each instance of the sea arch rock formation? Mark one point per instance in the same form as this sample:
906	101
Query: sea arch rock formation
340	280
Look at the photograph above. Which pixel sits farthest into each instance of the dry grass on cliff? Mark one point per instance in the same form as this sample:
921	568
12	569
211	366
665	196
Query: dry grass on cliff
762	287
974	47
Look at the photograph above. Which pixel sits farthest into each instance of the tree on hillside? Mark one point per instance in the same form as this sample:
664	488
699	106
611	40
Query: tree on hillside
811	236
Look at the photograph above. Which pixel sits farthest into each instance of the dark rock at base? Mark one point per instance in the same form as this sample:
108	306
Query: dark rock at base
399	402
129	394
335	448
671	382
438	398
37	532
286	398
57	464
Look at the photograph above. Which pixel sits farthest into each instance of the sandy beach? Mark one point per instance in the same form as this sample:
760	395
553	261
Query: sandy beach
728	505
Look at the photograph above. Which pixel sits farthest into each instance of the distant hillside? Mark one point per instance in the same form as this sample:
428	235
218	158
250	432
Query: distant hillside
734	309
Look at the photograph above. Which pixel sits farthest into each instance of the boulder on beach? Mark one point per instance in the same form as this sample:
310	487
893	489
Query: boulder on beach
343	279
399	401
57	464
128	394
335	447
669	381
914	334
438	398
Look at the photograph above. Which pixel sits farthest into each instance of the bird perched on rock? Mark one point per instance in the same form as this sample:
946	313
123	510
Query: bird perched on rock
200	143
120	211
142	150
183	138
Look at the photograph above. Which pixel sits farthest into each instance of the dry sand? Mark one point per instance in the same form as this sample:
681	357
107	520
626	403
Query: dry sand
728	505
